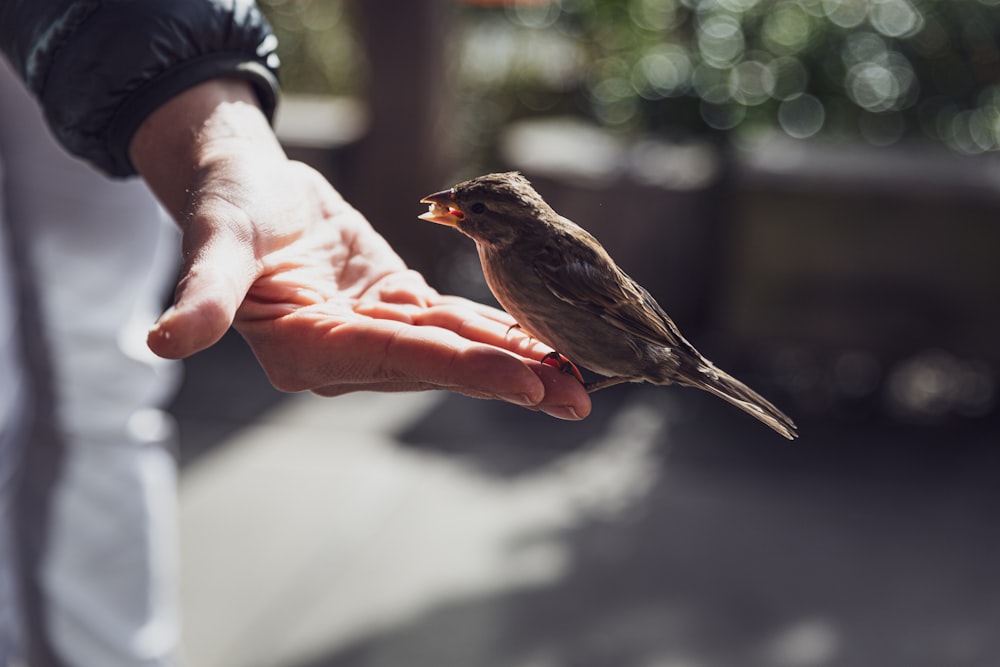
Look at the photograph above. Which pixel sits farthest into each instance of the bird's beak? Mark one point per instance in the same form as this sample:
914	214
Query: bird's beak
442	209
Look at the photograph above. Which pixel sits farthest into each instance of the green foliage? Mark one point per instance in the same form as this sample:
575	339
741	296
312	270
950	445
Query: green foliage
318	47
881	70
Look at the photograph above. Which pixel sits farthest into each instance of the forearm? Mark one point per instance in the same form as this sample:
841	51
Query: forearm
100	68
203	126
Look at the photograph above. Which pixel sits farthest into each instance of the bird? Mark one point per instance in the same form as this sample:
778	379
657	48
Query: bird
563	288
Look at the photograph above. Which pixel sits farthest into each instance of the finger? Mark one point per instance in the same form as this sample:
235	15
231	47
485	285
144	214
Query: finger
382	351
410	310
381	310
489	312
393	387
475	325
565	397
215	279
466	322
482	371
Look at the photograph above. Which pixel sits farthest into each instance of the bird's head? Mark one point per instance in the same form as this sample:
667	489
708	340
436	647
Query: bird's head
495	209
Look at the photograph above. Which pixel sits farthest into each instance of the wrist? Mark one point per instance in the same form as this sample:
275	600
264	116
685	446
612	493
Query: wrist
191	132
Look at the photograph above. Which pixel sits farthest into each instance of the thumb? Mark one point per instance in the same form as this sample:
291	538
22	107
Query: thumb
217	274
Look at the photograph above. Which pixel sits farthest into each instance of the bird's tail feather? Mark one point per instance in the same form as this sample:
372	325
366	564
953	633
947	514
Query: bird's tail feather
731	390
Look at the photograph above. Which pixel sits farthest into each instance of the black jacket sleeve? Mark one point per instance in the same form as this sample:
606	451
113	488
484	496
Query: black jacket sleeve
100	67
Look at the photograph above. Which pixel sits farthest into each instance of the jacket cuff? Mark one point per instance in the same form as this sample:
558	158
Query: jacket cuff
142	102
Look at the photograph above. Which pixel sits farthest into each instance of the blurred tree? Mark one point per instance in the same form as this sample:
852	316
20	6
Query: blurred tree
318	45
880	70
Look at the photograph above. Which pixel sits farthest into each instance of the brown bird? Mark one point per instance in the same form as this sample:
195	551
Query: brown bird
562	287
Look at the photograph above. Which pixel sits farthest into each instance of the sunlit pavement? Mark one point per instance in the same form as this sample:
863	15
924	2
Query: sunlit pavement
430	530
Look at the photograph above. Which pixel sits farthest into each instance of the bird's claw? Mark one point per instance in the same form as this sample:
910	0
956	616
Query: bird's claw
557	360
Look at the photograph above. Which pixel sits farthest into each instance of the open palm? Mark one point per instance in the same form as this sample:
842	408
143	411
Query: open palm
328	306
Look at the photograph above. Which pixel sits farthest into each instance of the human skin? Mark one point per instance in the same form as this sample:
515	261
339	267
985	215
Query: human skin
270	247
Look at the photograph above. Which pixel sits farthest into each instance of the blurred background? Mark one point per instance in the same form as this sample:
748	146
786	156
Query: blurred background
809	187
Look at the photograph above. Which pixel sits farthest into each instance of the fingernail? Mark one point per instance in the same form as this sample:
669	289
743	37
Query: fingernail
158	330
567	412
518	399
162	318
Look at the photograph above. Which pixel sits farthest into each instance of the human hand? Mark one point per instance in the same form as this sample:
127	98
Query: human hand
324	302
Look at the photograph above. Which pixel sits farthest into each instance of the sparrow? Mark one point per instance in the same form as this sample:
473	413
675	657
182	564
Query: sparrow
563	288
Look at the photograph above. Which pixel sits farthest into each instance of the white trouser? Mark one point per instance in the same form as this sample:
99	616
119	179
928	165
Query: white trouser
94	525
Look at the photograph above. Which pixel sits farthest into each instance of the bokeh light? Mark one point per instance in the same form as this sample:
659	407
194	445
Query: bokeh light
664	71
846	13
905	68
790	78
720	40
801	117
879	71
895	18
317	44
936	384
655	15
751	82
787	29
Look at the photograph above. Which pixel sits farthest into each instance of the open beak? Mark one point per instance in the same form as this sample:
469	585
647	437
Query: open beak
442	209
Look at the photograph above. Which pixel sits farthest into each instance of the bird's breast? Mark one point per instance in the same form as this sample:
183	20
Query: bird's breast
571	330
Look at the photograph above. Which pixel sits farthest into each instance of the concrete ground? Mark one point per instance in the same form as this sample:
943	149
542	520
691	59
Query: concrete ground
668	530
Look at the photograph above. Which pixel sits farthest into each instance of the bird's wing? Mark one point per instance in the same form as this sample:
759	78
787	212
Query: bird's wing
589	279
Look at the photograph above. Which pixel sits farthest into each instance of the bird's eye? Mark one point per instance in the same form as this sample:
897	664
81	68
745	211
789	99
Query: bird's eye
478	207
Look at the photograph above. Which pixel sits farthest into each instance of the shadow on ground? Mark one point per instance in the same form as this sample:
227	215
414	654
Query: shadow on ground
874	544
224	389
869	545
